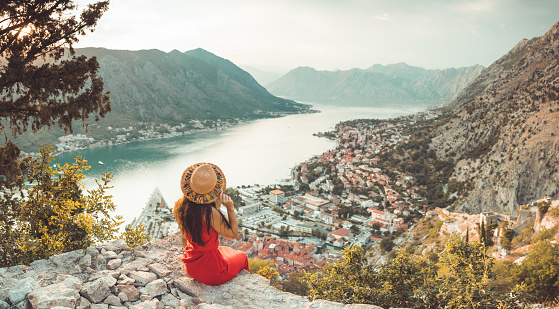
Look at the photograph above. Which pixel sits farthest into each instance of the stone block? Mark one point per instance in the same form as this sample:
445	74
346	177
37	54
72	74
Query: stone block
92	251
190	286
73	283
133	266
104	273
64	260
112	300
170	300
142	277
157	287
116	245
83	303
148	304
95	291
85	261
23	287
127	293
114	263
54	295
159	269
110	255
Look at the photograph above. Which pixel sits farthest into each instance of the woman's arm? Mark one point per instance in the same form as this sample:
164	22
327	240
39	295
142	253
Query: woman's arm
217	222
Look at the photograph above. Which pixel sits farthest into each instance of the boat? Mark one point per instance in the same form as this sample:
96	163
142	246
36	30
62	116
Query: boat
100	163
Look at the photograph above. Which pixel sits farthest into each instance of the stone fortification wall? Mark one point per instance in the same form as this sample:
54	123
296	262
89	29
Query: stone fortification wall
112	276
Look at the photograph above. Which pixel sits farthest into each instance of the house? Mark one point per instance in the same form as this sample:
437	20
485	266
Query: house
313	202
247	248
338	243
339	233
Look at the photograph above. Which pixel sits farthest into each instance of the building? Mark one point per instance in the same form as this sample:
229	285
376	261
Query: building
277	196
339	233
313	202
250	209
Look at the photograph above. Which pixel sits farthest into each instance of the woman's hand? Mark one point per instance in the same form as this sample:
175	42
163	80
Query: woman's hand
226	200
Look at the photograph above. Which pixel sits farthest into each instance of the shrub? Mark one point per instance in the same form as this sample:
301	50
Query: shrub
539	272
256	264
543	207
56	215
459	280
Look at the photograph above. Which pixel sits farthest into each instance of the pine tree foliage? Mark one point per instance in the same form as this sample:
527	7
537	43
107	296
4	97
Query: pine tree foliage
40	87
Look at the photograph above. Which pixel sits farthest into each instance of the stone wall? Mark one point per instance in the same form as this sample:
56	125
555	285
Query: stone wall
112	276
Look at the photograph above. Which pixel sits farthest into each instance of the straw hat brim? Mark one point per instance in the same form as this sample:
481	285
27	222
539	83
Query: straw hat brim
206	198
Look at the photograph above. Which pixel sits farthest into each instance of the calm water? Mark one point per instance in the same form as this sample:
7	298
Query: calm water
259	152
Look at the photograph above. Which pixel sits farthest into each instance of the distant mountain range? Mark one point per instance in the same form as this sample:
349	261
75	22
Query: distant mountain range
265	74
394	82
504	132
154	86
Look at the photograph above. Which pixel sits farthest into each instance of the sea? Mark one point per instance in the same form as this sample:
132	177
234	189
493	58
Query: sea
259	152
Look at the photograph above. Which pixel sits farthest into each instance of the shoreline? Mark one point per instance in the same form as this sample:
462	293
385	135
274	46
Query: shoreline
112	142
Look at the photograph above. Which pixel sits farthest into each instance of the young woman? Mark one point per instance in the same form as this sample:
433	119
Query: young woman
200	222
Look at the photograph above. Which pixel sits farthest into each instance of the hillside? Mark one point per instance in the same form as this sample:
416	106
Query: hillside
395	82
151	85
502	133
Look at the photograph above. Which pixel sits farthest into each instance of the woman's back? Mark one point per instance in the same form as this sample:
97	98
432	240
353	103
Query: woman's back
200	221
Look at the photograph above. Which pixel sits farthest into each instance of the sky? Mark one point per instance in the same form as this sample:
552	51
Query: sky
327	34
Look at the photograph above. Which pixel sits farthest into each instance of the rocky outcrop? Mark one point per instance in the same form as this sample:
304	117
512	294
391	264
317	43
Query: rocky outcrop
151	277
503	131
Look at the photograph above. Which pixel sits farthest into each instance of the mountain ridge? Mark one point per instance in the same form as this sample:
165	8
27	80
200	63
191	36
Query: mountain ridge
152	84
503	129
394	82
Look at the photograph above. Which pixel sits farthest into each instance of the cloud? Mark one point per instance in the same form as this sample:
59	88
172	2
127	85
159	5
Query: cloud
383	17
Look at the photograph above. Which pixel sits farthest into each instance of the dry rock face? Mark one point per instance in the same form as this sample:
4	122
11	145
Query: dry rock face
148	277
503	134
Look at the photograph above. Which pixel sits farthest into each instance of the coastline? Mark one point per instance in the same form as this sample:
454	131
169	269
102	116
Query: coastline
78	141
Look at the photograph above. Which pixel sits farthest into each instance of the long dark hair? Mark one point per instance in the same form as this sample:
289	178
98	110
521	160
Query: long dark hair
189	216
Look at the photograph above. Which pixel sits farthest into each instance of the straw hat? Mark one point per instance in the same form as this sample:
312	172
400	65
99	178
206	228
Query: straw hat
202	183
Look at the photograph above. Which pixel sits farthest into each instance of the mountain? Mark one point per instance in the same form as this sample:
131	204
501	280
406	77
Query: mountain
394	82
503	132
264	75
154	86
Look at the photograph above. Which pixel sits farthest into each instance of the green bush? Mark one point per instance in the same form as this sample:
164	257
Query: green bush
460	279
539	272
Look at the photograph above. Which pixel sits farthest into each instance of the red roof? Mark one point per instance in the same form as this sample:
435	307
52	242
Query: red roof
340	232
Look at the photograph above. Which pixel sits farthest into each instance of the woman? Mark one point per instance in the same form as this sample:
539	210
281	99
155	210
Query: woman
200	222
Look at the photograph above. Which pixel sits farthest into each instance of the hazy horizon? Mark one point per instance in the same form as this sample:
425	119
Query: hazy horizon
326	34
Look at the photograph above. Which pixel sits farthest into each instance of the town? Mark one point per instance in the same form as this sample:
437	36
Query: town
341	198
140	132
335	199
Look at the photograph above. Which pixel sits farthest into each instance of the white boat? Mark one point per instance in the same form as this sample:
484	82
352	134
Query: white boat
100	163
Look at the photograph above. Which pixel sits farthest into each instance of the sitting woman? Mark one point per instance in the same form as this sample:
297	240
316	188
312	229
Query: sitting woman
200	222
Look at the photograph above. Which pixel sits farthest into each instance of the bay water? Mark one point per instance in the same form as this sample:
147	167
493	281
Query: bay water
257	152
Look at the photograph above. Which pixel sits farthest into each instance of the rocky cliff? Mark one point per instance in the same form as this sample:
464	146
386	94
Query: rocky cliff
395	82
503	132
112	276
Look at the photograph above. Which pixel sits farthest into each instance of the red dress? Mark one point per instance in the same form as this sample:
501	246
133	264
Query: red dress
212	264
